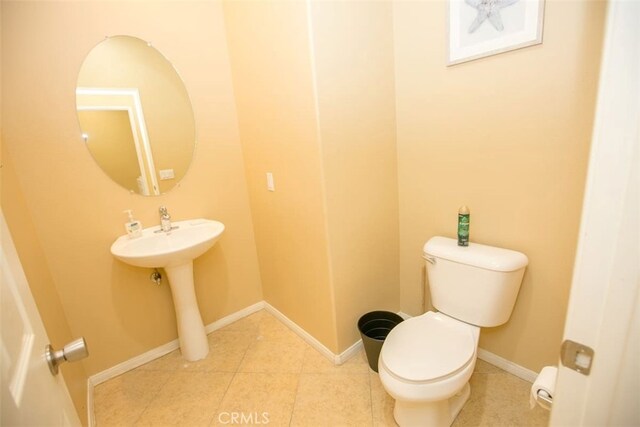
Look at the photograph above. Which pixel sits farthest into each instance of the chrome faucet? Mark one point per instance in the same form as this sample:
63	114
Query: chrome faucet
165	219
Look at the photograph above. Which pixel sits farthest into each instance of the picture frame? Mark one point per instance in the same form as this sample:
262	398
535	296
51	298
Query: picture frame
480	28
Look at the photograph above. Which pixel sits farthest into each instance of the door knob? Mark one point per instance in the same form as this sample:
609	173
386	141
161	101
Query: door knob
75	350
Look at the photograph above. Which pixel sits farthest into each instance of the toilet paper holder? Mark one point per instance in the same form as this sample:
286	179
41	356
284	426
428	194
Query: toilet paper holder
542	395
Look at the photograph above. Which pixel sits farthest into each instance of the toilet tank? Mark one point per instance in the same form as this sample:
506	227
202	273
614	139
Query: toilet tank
477	284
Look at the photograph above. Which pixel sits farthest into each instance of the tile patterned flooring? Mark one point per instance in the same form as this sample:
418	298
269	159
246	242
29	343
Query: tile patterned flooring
259	372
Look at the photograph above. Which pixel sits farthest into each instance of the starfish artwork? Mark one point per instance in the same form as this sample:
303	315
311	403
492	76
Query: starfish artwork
488	10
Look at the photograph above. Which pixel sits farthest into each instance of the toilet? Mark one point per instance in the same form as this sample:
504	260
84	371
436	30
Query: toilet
426	361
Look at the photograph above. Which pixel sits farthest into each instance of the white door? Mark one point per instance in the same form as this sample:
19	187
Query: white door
31	395
604	306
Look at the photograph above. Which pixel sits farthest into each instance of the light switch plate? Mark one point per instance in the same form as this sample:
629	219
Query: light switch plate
270	185
166	174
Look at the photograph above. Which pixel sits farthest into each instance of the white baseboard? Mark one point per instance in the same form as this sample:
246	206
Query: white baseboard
167	348
160	351
404	315
506	365
120	369
91	417
348	353
337	359
133	363
227	320
310	339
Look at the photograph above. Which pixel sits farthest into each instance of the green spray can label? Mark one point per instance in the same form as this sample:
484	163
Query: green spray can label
463	226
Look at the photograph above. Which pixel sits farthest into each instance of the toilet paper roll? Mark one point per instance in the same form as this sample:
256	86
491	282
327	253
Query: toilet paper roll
545	385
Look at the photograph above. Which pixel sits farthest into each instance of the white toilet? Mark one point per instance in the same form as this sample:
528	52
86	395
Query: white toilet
426	361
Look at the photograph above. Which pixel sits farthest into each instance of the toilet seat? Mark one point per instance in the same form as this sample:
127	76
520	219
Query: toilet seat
428	347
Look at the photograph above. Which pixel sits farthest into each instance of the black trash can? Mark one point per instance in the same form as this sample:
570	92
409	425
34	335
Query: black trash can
374	328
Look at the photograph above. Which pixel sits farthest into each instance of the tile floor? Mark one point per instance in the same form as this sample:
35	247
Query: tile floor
259	372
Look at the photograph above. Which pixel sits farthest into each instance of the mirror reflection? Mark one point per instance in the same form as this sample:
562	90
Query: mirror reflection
135	115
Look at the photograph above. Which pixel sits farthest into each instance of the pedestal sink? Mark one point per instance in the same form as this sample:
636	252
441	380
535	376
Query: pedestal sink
175	251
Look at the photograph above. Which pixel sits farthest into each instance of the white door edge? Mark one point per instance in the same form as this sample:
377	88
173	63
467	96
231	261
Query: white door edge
603	305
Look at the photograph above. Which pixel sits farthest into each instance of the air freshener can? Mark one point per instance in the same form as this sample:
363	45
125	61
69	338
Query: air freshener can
463	226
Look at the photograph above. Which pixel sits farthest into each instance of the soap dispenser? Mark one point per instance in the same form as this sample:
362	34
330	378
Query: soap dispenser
133	226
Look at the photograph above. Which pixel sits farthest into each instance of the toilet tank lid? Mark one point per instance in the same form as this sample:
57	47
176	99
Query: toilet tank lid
477	255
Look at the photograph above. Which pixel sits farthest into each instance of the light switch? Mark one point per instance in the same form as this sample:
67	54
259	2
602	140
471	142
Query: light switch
166	174
270	185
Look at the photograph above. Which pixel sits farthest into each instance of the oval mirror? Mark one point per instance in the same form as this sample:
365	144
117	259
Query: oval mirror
135	115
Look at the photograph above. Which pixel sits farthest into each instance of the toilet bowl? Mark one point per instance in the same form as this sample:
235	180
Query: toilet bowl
426	361
427	376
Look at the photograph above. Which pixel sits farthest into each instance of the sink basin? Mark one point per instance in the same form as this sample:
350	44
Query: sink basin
154	249
175	251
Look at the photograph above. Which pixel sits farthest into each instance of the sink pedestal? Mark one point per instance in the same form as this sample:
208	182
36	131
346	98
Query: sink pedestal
191	333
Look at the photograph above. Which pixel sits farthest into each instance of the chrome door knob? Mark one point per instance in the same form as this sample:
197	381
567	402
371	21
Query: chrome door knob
74	351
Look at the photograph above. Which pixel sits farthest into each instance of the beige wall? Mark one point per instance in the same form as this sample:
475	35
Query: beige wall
328	236
271	64
508	136
77	211
353	57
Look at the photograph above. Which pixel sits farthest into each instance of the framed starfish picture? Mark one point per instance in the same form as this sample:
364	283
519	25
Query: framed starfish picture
479	28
